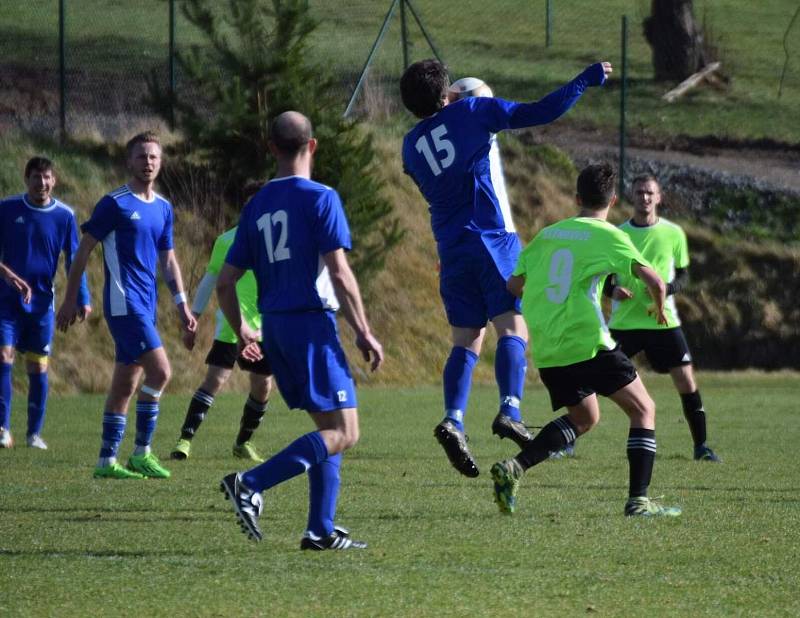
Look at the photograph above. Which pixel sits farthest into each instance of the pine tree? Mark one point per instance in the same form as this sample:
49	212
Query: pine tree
255	65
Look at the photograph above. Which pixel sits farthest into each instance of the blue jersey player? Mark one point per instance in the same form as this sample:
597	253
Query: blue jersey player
447	154
134	224
34	229
293	235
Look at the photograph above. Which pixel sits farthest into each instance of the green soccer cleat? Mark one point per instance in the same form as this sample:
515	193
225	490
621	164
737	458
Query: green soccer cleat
181	450
115	471
646	507
148	465
247	451
506	475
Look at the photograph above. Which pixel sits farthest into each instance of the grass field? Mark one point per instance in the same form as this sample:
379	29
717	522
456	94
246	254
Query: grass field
73	546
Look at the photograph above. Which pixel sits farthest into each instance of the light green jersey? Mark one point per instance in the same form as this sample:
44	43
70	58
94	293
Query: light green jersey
565	267
664	245
246	290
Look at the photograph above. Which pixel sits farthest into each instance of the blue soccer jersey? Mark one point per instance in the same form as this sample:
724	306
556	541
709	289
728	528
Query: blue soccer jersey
133	232
283	233
447	155
31	239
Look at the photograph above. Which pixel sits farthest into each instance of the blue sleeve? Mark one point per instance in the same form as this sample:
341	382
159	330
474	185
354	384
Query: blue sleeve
331	231
165	241
507	115
240	254
103	219
70	247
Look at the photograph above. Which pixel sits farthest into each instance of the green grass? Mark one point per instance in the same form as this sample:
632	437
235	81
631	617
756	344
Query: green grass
72	546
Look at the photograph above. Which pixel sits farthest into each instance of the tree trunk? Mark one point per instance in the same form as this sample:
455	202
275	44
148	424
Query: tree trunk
675	38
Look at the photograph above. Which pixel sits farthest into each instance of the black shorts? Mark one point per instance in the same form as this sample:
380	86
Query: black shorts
224	354
604	374
665	348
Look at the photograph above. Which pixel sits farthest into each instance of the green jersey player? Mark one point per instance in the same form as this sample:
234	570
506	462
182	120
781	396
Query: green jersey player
664	245
559	277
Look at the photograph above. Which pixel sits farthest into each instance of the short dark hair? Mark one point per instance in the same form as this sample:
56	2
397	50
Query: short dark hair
596	185
39	164
142	138
643	178
290	132
423	86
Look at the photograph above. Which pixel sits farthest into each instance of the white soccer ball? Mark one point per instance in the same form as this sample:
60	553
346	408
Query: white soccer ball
468	87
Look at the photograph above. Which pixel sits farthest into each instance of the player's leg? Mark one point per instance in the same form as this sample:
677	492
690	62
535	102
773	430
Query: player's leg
693	410
6	367
254	410
636	402
510	367
35	339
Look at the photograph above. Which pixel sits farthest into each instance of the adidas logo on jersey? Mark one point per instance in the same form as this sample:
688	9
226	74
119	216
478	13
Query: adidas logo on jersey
135	216
19	220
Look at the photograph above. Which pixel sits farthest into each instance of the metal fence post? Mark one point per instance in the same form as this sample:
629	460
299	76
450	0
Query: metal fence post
623	106
404	33
172	64
548	22
62	68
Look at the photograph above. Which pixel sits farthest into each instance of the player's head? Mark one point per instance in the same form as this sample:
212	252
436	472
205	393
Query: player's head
423	87
144	156
40	178
597	186
291	136
646	194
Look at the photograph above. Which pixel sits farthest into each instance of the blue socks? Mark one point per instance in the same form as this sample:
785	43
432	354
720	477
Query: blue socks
146	418
323	490
301	455
509	370
37	401
457	381
113	432
5	395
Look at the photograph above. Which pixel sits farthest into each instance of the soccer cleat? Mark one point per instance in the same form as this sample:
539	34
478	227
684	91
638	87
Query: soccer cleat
247	504
181	450
454	443
506	476
115	471
643	506
6	439
704	453
338	539
567	451
247	451
35	441
506	427
148	465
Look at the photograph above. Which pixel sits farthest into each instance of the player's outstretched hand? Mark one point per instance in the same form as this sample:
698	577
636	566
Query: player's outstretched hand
596	74
371	350
252	352
187	318
67	313
621	293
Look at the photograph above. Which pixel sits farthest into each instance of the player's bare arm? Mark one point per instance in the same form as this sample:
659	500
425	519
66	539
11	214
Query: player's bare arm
171	272
229	304
516	284
68	311
346	286
656	287
16	282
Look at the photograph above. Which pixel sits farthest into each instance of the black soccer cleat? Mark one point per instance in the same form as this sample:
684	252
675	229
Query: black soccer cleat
454	443
338	539
704	453
247	504
505	427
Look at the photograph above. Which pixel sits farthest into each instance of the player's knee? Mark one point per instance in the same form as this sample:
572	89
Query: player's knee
159	376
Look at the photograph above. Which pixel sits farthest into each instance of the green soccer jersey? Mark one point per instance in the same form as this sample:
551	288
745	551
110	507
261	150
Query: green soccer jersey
565	267
246	291
663	245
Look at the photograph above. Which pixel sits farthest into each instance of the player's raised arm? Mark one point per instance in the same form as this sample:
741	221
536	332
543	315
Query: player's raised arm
68	310
656	287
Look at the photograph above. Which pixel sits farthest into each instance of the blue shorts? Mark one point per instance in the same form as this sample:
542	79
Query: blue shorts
27	332
308	361
472	280
133	336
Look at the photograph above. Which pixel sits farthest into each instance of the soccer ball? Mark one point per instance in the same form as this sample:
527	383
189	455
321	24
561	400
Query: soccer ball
468	87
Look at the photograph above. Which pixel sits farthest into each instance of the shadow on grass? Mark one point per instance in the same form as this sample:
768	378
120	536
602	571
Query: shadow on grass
106	554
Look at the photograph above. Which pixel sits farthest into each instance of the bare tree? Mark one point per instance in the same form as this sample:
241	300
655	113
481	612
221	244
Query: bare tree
675	38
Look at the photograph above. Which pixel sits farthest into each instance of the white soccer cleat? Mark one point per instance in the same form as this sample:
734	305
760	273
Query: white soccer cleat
35	441
6	440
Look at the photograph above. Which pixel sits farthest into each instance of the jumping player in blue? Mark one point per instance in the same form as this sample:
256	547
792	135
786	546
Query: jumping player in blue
134	224
34	228
447	156
293	235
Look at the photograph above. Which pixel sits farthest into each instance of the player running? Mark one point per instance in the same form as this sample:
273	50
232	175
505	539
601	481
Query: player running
447	156
134	224
559	277
34	228
663	244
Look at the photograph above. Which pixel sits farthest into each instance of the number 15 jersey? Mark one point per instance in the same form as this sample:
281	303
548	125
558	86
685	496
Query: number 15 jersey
564	267
284	231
